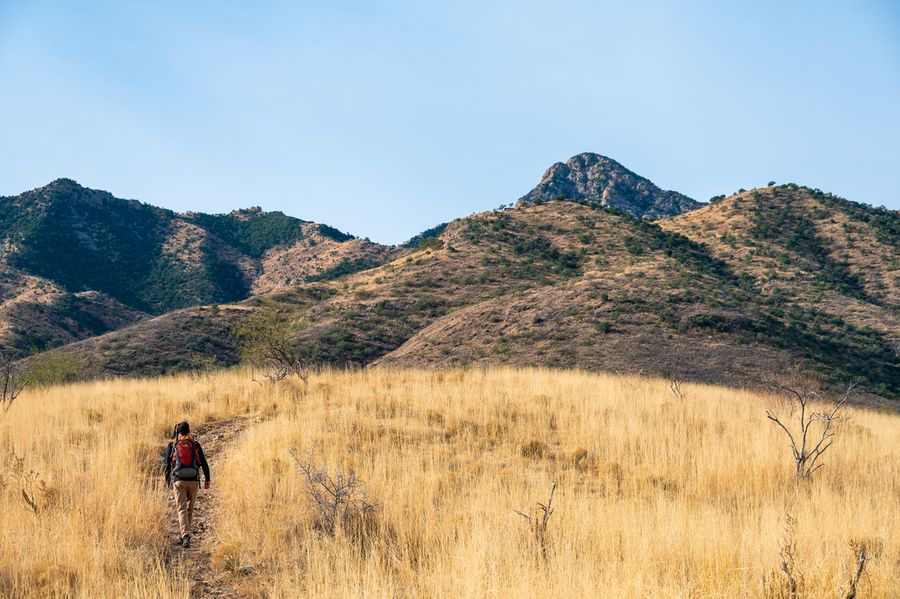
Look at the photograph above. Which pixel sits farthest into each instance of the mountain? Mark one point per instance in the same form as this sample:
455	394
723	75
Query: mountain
728	292
560	284
602	181
77	262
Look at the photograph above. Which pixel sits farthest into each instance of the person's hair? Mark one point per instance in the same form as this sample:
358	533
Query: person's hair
183	429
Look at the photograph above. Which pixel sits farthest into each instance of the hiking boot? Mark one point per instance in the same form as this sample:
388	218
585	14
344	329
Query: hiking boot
186	541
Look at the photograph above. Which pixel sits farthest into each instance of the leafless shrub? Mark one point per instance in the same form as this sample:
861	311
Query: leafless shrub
538	522
813	432
36	493
13	380
863	551
269	343
785	583
339	500
674	382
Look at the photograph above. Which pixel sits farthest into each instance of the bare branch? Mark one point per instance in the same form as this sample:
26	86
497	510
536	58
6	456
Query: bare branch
538	524
810	424
13	380
337	498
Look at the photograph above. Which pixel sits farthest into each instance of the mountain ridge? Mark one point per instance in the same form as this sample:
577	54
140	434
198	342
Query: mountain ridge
147	260
559	284
723	292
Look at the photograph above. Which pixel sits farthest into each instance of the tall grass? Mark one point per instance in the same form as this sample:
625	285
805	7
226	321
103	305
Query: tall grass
87	455
657	497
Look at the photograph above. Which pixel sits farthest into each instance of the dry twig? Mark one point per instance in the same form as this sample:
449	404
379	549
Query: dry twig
538	523
12	381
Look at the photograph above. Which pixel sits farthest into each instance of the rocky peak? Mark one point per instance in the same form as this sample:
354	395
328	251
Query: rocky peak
599	180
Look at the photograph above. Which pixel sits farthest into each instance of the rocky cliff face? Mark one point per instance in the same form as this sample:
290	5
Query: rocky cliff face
602	181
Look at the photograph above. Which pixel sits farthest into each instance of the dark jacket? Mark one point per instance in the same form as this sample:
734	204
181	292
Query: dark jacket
201	459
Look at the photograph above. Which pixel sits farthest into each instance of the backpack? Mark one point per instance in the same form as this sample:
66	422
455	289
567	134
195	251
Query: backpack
184	460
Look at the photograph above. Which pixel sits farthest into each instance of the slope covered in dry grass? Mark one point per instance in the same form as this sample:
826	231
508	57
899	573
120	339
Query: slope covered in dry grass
657	496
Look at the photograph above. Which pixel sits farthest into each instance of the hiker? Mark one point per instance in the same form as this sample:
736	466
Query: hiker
184	459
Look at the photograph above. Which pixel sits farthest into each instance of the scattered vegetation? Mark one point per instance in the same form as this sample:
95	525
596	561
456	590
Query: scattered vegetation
336	235
778	221
345	268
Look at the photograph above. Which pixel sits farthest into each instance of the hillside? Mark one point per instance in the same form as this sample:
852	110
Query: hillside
77	262
602	181
36	313
809	247
319	255
560	284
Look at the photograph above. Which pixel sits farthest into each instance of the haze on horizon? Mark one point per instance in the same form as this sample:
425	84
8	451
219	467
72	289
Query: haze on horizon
384	119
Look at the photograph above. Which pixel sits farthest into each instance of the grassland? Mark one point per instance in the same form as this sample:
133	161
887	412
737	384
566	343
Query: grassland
658	496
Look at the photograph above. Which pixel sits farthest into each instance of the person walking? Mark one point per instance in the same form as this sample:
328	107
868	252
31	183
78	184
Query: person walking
184	460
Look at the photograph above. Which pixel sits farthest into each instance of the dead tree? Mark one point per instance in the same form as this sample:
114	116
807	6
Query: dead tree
338	499
268	343
12	381
674	382
812	432
538	523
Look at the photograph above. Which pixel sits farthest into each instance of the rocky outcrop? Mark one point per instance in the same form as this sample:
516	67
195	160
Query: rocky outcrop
602	181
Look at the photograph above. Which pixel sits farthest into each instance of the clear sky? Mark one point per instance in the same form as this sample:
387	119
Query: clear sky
385	118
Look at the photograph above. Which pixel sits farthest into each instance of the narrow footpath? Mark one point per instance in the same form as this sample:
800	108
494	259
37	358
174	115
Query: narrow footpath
205	583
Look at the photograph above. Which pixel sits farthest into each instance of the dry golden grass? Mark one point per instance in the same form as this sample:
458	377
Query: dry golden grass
657	497
89	457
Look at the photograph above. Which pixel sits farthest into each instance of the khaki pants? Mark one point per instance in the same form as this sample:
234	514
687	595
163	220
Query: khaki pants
185	495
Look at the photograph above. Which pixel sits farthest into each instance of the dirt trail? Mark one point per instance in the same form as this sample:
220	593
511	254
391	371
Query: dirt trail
205	583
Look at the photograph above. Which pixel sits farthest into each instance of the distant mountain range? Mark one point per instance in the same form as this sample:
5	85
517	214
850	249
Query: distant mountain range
595	268
76	262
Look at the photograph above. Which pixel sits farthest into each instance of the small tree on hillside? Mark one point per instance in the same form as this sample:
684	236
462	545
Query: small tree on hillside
809	422
269	343
12	380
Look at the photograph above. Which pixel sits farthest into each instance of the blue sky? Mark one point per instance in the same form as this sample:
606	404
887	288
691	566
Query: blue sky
385	118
